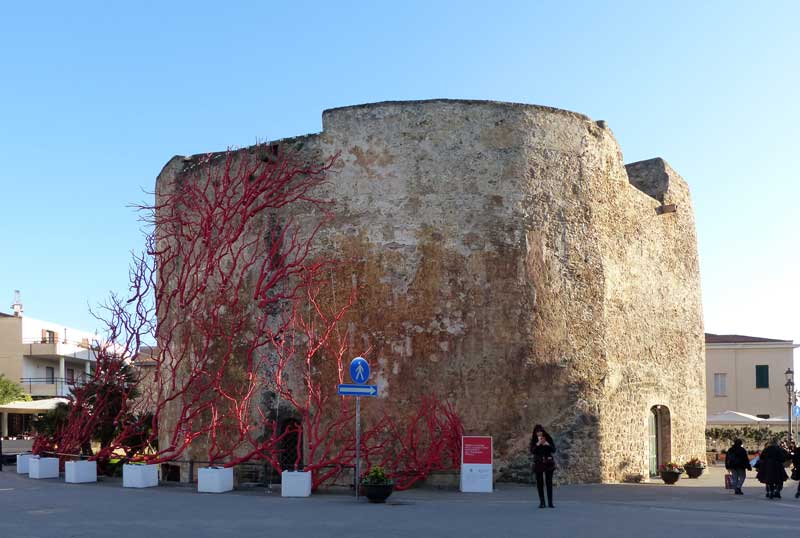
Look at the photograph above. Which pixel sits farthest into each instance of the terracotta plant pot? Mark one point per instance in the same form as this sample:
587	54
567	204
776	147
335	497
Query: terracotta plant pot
670	477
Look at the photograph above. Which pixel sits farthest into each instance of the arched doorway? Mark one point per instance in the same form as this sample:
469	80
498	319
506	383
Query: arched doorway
659	438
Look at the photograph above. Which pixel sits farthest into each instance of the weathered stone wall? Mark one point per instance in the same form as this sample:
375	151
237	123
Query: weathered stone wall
508	265
654	334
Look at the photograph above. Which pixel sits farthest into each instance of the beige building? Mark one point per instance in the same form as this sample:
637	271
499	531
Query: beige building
748	374
45	358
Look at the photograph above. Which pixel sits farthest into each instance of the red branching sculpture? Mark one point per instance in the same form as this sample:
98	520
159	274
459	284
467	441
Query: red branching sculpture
228	290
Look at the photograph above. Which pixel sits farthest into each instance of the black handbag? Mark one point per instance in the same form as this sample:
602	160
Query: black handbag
543	463
795	474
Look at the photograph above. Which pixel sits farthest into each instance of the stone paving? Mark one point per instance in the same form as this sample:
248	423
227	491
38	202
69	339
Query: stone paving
51	508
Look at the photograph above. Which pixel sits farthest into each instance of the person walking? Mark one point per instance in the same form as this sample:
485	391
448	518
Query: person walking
542	449
737	462
771	471
796	469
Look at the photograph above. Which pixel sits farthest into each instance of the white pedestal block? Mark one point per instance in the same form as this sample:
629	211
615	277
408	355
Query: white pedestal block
476	478
22	463
139	476
80	472
215	480
43	467
295	484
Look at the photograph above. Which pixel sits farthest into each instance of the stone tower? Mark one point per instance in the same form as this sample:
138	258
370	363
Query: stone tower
511	262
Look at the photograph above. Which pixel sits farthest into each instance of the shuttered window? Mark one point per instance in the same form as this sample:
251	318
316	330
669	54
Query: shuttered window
762	376
720	384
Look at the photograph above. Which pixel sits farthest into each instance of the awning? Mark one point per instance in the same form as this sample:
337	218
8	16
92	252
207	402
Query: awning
733	417
32	408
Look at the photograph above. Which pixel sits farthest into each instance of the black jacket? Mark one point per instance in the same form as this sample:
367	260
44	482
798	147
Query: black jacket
770	465
737	458
542	454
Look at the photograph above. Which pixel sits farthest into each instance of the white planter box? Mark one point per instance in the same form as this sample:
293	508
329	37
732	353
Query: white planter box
295	484
22	463
215	480
80	472
43	467
139	476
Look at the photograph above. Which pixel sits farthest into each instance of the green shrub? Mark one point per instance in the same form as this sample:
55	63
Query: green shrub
11	392
376	477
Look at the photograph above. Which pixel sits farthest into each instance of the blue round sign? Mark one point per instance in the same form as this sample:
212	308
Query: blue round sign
359	370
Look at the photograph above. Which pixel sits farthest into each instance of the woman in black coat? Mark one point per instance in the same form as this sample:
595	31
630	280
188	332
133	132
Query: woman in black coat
542	449
796	470
771	471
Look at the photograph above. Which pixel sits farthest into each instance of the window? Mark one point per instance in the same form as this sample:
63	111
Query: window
49	375
70	375
720	384
48	337
762	376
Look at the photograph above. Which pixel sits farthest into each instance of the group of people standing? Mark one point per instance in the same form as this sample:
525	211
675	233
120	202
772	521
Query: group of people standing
771	467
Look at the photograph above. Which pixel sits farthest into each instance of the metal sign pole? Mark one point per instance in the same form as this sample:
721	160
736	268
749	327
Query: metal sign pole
359	372
358	444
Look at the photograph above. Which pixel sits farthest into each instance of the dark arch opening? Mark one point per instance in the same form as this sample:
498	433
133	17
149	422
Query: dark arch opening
291	445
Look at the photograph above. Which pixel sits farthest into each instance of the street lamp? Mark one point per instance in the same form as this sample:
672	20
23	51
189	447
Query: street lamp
790	393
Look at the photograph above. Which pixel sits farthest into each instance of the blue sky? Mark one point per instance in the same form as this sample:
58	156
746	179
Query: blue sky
96	97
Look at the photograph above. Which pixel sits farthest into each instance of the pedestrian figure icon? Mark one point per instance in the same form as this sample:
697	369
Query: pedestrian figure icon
359	370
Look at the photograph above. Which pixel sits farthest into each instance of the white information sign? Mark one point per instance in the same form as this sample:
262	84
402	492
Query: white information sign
476	464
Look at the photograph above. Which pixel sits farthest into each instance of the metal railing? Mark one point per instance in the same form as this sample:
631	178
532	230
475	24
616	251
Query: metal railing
54	339
61	385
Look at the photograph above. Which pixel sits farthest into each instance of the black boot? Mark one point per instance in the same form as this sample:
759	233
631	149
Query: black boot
550	504
541	504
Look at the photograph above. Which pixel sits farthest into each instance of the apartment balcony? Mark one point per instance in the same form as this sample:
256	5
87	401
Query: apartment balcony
50	386
57	349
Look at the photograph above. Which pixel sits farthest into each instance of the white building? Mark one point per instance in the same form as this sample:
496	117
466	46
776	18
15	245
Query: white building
45	358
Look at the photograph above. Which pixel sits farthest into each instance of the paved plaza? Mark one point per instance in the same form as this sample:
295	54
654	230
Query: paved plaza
51	508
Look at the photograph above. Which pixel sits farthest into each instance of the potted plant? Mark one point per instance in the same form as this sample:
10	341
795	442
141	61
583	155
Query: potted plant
670	472
376	486
694	467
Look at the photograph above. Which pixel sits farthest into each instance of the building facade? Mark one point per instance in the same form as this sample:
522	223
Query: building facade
509	261
44	358
748	374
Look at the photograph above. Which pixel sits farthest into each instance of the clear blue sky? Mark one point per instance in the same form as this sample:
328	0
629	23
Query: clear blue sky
96	97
